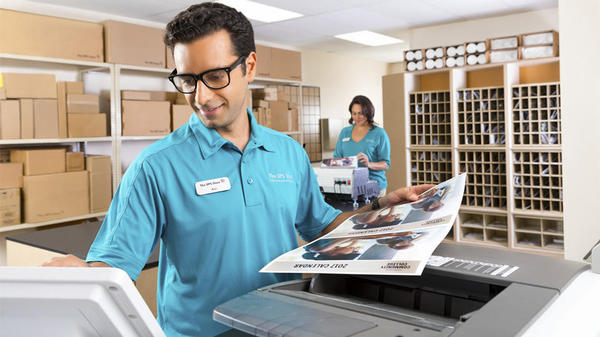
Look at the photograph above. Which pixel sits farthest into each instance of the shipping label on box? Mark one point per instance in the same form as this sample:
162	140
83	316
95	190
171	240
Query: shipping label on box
10	120
40	161
146	118
10	206
86	103
19	85
55	196
45	118
11	175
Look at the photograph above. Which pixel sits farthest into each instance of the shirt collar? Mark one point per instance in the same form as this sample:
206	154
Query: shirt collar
210	141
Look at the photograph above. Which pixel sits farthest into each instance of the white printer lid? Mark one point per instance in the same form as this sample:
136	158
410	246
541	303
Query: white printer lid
48	301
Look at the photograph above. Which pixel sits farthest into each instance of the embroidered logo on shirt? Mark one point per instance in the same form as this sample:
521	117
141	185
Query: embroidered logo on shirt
281	177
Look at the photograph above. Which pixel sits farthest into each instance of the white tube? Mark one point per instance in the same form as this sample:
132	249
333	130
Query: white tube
420	65
410	55
439	52
429	64
481	59
460	61
450	62
451	51
430	53
439	63
460	50
471	48
472	59
481	47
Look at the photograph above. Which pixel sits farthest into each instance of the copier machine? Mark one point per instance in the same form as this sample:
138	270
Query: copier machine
351	182
529	295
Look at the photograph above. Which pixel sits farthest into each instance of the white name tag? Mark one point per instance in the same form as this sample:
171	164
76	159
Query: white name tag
345	139
212	186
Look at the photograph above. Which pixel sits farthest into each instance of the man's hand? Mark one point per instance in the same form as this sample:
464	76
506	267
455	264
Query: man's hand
363	159
403	195
65	261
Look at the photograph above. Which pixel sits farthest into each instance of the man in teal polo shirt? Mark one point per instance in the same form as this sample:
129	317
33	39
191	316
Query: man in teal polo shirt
222	194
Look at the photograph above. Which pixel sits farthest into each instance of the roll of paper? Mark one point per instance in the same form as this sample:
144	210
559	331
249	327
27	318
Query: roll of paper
471	48
451	51
472	59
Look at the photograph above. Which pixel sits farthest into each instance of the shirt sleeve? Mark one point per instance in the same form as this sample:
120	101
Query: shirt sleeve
313	213
134	222
383	148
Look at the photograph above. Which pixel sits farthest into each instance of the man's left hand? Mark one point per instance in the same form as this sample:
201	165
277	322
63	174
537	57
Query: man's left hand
404	195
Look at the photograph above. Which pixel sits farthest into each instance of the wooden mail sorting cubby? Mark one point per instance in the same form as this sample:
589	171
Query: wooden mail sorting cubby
504	132
481	116
430	118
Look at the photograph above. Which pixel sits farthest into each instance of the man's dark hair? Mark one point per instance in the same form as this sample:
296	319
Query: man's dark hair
207	18
368	110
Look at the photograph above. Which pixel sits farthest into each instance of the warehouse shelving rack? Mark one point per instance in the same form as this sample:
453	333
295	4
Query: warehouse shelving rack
504	132
117	74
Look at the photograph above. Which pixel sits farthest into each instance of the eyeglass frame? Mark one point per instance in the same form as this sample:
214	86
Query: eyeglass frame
200	76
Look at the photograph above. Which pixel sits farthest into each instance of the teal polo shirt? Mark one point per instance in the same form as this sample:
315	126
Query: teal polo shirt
375	144
213	244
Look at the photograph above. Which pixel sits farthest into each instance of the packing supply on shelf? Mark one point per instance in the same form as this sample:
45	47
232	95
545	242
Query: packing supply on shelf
10	121
507	55
539	51
539	38
509	42
476	47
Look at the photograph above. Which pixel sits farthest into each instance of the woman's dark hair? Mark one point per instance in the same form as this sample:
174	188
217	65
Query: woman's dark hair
366	106
207	18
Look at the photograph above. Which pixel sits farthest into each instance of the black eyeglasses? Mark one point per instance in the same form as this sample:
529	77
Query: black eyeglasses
217	78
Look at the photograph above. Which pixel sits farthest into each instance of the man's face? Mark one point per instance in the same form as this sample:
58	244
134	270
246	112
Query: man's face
216	108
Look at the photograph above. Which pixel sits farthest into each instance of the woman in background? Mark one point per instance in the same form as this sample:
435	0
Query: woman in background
365	140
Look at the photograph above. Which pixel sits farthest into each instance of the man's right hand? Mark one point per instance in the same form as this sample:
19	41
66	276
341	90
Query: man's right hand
71	261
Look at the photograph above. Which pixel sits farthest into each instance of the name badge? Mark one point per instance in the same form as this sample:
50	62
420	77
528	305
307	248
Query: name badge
345	139
212	186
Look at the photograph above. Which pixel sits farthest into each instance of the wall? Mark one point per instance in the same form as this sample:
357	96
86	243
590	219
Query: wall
580	85
473	30
340	79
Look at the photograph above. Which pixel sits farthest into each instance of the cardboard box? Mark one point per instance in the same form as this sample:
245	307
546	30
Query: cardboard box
98	164
45	118
286	64
74	87
74	161
64	89
170	60
87	125
99	168
26	118
279	115
146	118
83	103
126	43
18	85
10	207
11	175
39	161
181	115
10	120
147	95
2	93
55	196
46	36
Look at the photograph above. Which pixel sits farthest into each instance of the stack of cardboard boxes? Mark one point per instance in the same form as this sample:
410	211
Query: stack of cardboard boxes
84	118
273	109
36	106
28	106
54	185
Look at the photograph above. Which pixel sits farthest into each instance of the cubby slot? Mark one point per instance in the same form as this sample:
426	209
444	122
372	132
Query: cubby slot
529	240
537	181
430	166
481	116
430	118
486	178
537	114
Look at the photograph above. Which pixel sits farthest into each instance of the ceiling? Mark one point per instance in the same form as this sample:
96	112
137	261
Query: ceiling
325	18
